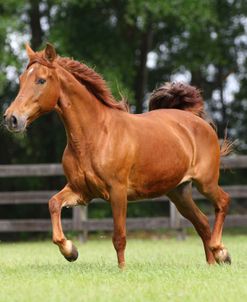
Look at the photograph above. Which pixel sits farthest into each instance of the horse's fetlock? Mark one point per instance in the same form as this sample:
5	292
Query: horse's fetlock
214	247
59	241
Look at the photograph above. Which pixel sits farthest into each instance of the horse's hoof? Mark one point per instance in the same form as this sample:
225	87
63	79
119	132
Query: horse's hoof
69	251
121	265
222	256
73	256
228	259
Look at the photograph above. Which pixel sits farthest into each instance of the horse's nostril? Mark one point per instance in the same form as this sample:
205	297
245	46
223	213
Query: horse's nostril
14	121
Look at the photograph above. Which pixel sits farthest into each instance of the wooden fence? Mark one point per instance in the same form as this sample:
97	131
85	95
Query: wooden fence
80	221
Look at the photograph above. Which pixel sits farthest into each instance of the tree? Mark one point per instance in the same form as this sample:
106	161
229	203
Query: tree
209	52
117	37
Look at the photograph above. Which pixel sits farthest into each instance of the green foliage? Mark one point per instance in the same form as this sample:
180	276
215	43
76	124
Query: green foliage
211	51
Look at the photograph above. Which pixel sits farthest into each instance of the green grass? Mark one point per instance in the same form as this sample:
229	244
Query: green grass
157	270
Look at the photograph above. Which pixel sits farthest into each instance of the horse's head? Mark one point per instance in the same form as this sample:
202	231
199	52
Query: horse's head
38	93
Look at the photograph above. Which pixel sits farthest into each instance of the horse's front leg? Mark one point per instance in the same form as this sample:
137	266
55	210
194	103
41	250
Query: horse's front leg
118	198
66	197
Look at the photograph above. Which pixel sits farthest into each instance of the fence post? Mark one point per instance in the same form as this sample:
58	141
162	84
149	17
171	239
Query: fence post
80	215
175	221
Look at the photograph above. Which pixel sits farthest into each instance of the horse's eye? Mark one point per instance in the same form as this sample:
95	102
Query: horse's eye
41	81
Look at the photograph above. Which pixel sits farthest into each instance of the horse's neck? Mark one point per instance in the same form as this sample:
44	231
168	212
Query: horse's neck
81	113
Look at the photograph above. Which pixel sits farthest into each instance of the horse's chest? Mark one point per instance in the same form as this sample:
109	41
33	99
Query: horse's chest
83	179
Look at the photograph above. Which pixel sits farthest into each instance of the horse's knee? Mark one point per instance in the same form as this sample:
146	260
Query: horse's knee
54	206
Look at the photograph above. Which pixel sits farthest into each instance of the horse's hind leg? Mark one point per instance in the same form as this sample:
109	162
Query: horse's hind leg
220	200
181	196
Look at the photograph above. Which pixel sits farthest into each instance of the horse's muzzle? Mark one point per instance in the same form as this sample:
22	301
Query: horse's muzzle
14	123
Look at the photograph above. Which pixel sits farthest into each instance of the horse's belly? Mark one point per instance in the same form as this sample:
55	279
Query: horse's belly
156	182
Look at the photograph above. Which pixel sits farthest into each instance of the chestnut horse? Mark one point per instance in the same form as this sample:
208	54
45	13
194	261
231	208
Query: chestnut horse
119	156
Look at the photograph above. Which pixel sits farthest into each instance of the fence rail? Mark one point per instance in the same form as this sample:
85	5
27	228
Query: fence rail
80	221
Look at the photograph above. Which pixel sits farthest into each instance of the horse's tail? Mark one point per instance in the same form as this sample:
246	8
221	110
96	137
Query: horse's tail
227	145
177	96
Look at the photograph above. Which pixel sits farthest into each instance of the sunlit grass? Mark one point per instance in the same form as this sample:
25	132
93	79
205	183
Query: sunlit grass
157	270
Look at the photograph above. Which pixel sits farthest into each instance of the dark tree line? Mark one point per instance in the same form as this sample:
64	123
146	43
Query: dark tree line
205	41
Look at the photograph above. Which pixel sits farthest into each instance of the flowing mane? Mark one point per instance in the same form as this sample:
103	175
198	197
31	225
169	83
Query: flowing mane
92	80
86	76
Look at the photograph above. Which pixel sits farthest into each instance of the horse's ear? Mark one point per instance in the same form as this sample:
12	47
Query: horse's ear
50	52
29	51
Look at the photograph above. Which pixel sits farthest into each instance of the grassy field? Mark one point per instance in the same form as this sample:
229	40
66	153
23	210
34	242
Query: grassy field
157	270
